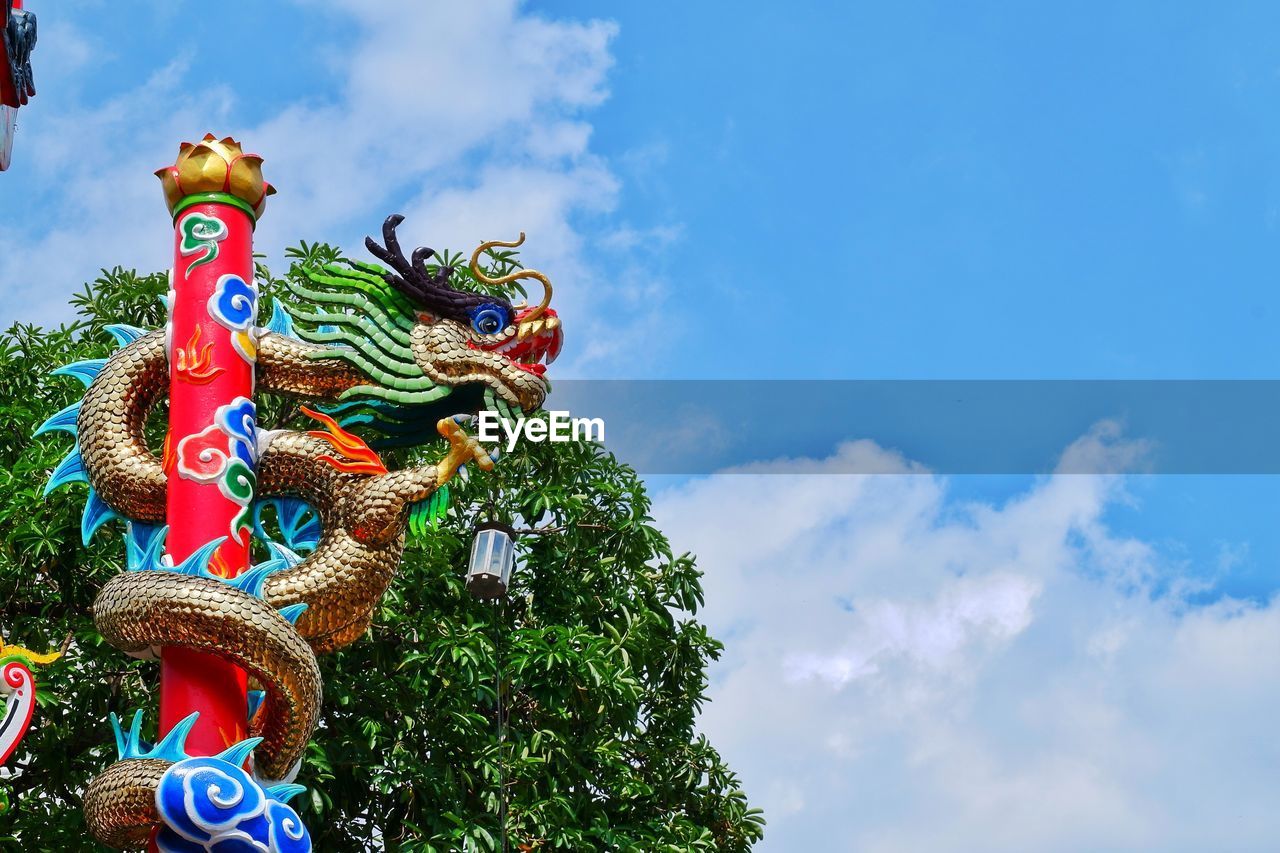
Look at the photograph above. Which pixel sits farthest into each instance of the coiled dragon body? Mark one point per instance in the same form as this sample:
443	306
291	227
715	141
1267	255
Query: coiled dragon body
391	363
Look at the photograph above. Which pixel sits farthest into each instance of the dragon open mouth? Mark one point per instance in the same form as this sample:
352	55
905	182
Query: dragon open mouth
528	345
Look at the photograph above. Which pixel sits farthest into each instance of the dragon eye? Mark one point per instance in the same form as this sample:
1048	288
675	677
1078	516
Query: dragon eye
489	319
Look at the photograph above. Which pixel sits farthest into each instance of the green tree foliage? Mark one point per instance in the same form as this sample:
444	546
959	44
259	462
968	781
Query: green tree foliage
569	709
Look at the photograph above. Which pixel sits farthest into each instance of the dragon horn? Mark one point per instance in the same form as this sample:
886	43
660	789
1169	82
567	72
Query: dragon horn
411	276
515	276
390	253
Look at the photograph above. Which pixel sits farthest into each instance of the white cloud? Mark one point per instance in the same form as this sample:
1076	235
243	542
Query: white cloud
424	88
933	633
906	670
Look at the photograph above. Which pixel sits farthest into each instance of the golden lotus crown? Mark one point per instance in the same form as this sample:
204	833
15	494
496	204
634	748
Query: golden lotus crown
219	166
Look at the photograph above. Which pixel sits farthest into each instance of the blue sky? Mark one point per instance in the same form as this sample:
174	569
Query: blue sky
805	190
998	192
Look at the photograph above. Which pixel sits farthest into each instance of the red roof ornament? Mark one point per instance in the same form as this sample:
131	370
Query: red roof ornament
17	38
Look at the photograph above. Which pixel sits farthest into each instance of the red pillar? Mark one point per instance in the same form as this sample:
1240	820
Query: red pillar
215	193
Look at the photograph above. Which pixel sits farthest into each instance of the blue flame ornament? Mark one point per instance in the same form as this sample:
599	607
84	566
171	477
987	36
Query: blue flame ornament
212	805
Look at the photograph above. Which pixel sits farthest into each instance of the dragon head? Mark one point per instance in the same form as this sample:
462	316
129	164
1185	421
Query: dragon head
462	337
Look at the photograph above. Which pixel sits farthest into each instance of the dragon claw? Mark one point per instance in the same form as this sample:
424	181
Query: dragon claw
463	449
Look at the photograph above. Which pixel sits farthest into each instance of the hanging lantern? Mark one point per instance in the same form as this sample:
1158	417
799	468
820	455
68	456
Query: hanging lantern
492	557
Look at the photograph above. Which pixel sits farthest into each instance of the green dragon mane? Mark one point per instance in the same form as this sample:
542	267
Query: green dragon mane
365	322
350	309
359	318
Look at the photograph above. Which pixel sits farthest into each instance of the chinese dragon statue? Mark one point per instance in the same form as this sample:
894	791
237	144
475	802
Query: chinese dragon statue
401	350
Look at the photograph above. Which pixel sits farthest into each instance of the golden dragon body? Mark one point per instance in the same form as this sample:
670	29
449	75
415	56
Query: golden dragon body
274	624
